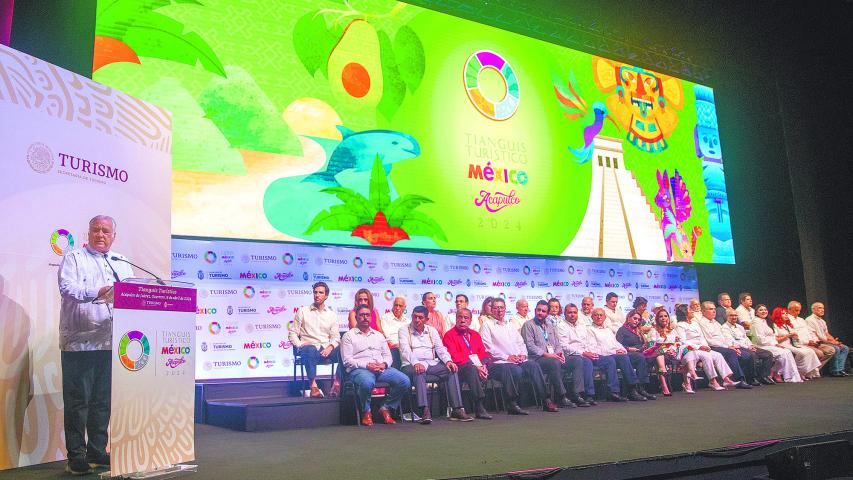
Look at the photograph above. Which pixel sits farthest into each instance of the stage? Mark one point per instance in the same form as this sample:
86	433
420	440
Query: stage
606	433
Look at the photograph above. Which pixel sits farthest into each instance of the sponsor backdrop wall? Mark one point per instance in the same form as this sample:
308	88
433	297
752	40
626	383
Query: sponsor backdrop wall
71	149
248	292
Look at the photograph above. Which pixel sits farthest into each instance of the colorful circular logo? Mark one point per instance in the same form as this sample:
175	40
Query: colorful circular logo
476	268
61	240
210	257
448	296
648	274
214	327
389	295
549	296
287	258
134	350
253	362
500	109
421	266
357	262
526	270
249	291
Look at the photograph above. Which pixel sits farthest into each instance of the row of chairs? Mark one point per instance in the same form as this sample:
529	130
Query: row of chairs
493	387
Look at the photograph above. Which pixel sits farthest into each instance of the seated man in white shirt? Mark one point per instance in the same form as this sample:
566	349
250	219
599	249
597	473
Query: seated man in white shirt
580	359
585	313
745	312
315	336
614	317
391	323
758	369
818	326
522	313
807	336
604	343
714	335
543	347
367	358
509	359
424	354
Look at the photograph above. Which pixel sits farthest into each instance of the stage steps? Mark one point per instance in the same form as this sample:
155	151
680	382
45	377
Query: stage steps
261	405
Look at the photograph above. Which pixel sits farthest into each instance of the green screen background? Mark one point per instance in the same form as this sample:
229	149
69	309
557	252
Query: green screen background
230	74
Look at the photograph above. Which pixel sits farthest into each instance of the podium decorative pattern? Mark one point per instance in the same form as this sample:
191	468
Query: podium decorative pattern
35	84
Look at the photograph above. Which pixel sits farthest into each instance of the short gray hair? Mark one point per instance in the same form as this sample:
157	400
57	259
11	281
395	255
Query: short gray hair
98	218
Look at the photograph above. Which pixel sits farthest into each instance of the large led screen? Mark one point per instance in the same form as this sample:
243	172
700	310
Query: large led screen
386	124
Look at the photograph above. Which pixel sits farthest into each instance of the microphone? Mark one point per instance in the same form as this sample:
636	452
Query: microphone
115	274
117	259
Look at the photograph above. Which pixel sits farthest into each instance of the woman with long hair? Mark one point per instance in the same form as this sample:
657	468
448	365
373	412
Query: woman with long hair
364	297
763	335
713	363
485	314
807	362
666	340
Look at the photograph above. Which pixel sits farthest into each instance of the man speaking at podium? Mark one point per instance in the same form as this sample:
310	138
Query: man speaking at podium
86	278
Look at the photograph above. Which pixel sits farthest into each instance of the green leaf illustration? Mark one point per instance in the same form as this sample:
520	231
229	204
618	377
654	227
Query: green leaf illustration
354	201
380	192
313	42
246	115
410	58
394	88
338	217
357	211
159	36
417	223
400	208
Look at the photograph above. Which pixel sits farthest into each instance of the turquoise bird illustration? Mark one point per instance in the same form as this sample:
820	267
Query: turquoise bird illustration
574	107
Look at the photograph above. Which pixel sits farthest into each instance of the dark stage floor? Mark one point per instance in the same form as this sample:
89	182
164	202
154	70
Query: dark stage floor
606	433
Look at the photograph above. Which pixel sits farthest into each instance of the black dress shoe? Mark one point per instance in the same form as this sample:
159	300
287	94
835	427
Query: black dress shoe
590	401
580	402
482	414
755	383
78	466
836	374
634	396
743	385
514	409
766	381
615	397
649	396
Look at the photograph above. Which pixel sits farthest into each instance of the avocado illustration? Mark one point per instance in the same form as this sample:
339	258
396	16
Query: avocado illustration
355	70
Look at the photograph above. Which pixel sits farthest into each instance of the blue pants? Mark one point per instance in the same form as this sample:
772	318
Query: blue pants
837	362
733	360
365	380
588	380
640	366
311	358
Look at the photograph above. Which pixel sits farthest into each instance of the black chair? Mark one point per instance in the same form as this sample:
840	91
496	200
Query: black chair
349	392
298	363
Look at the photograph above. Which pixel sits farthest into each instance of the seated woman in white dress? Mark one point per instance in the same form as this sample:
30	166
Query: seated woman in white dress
667	340
807	362
763	335
713	363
